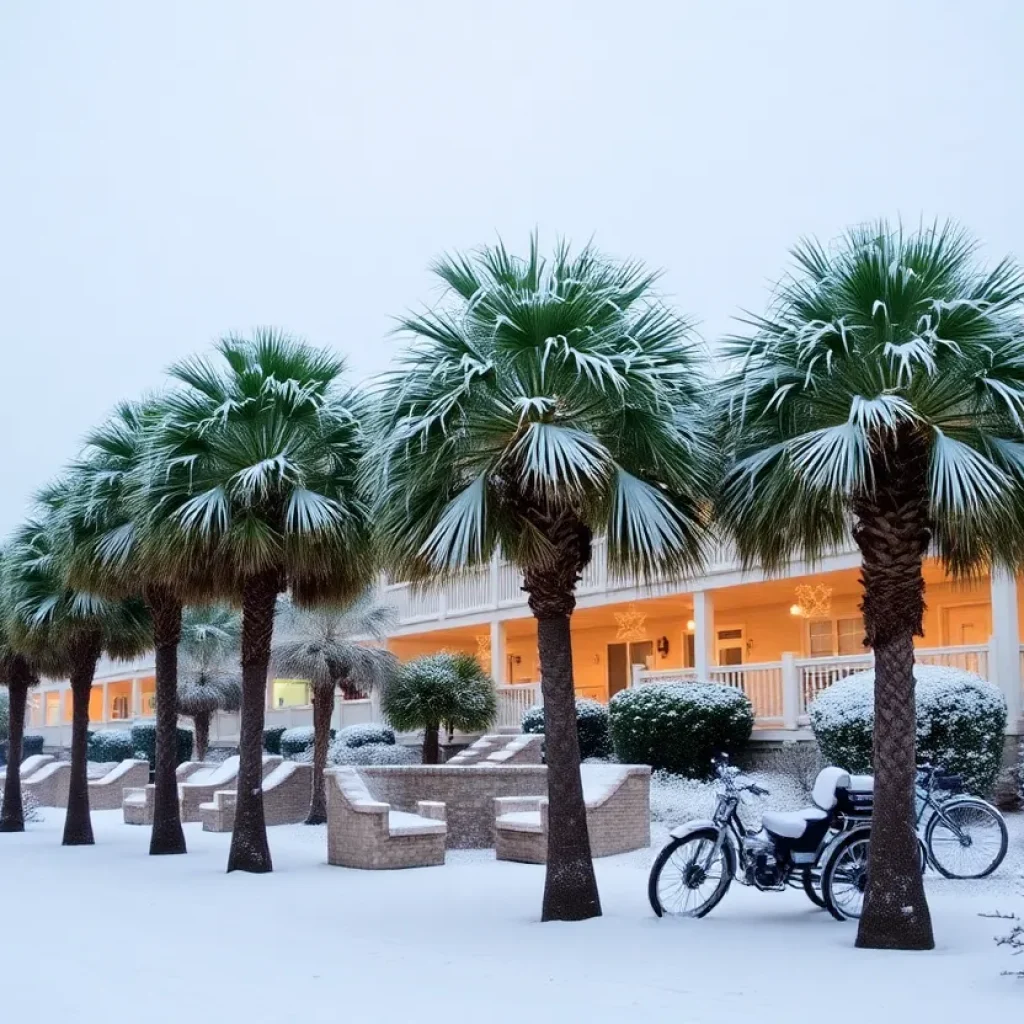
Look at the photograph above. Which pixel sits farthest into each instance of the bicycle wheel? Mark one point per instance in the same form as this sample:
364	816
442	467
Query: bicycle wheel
966	838
811	882
689	879
844	879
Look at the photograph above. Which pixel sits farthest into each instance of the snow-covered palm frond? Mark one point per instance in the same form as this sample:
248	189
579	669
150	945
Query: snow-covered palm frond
931	348
517	400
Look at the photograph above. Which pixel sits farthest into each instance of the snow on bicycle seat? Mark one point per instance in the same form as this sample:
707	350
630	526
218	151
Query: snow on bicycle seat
793	824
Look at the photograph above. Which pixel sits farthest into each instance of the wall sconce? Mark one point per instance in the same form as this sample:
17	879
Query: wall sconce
795	609
663	646
690	625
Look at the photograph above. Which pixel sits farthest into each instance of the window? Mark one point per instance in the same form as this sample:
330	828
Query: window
119	708
829	637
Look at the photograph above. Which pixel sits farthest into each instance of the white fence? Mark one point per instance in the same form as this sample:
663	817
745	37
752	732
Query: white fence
513	701
782	691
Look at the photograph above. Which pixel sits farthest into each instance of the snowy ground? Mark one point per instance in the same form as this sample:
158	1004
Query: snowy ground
96	934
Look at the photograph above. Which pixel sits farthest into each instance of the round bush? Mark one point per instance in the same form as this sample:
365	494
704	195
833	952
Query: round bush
370	754
272	739
362	735
144	744
679	728
5	713
111	745
591	726
296	740
961	721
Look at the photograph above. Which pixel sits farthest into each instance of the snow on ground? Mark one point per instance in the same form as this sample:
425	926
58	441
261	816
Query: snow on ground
105	932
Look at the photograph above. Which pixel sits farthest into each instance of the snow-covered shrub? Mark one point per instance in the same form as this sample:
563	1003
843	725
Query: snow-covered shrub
591	726
5	714
111	745
679	728
296	740
272	739
144	744
362	735
961	720
370	754
31	746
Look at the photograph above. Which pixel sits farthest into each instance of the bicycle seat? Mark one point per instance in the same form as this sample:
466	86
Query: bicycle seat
793	824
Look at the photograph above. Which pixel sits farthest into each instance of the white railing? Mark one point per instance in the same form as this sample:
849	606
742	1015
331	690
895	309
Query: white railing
782	691
513	701
468	592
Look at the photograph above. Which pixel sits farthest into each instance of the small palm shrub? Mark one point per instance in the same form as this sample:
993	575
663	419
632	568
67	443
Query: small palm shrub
961	721
111	745
679	728
449	690
591	726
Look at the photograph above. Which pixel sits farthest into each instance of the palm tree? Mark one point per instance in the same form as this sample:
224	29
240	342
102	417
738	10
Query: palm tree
542	403
255	487
65	631
883	392
110	550
440	689
329	647
18	674
209	679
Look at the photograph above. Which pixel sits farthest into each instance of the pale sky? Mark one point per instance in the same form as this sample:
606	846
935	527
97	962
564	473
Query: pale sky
174	171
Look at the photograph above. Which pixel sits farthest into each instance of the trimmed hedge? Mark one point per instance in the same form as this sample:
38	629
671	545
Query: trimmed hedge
111	745
272	739
144	744
591	726
31	745
296	740
961	721
362	735
679	728
371	753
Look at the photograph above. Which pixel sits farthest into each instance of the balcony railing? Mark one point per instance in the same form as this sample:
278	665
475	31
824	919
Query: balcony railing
782	691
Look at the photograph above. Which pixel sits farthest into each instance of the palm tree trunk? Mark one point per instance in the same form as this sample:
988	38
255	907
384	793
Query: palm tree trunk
167	836
250	850
570	886
431	743
201	724
78	823
893	535
12	815
323	708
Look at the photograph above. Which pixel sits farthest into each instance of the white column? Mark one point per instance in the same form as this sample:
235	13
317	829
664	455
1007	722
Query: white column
790	691
499	663
106	705
270	691
1006	645
703	633
136	697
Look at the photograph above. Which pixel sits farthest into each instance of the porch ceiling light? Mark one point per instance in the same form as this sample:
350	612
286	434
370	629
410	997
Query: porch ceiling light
690	625
631	624
812	602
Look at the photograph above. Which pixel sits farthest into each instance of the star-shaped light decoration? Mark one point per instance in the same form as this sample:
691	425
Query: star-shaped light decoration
631	624
483	649
813	602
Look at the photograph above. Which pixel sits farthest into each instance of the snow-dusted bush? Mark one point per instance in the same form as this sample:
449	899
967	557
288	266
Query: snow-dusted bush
370	754
144	744
362	735
679	728
296	740
961	720
272	739
591	726
5	714
111	745
31	745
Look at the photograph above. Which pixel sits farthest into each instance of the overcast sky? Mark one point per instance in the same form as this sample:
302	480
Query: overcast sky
170	172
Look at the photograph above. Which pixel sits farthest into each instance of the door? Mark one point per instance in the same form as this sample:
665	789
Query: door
622	658
730	645
968	624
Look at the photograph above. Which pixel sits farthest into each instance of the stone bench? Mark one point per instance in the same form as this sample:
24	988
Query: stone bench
49	785
107	793
137	803
30	766
365	833
618	802
199	789
286	795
